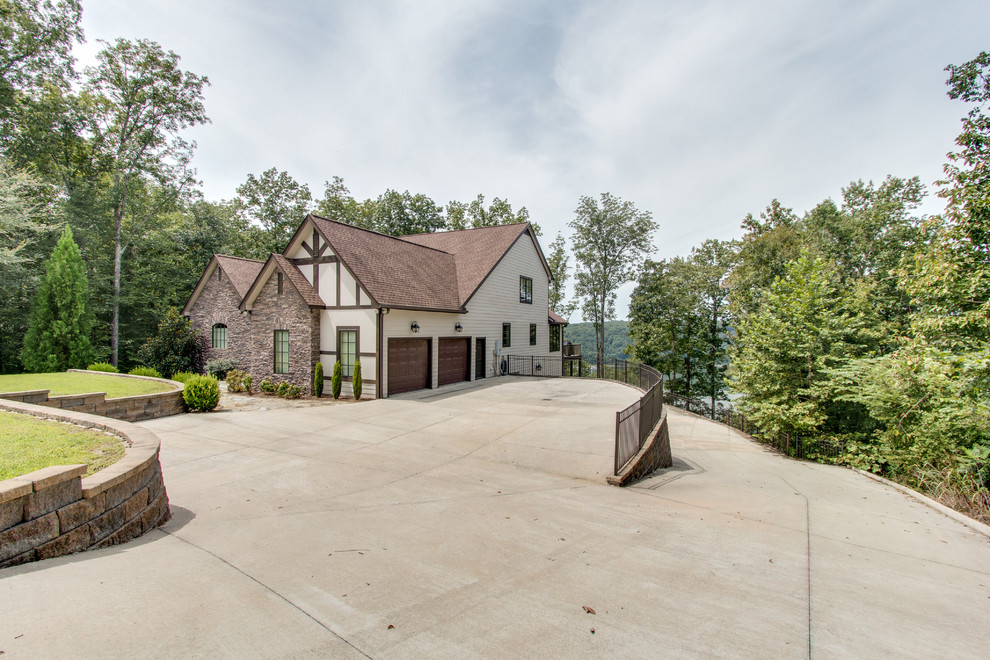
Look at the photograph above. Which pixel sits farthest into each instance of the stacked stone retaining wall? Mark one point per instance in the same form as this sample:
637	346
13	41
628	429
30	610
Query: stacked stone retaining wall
127	408
56	511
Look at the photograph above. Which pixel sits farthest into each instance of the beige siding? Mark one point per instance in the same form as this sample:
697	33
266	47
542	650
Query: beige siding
495	302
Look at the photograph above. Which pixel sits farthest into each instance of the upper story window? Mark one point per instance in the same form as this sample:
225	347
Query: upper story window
526	289
219	336
506	335
554	338
532	334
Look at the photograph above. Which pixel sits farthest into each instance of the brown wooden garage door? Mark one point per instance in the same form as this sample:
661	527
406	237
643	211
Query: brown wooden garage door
454	361
408	365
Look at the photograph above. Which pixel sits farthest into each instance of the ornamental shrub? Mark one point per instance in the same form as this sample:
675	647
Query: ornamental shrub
356	380
144	371
235	380
219	367
282	388
293	392
182	376
248	379
318	380
202	393
335	380
267	386
176	347
103	366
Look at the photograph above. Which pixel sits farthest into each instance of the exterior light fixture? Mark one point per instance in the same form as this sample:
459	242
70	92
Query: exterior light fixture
414	327
458	327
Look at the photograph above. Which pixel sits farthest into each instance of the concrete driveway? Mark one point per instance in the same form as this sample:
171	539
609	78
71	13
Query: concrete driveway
476	523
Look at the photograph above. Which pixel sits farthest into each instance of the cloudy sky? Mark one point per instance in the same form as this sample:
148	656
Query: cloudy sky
698	111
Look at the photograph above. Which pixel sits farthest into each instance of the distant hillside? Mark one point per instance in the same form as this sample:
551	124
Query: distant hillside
616	339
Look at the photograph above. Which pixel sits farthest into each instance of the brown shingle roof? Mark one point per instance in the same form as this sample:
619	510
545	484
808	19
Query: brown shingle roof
476	251
556	319
299	281
240	272
397	273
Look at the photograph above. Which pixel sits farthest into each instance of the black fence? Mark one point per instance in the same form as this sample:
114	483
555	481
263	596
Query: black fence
533	365
634	424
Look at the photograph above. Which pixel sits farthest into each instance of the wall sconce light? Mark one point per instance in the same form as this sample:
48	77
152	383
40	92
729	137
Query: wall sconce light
414	327
458	327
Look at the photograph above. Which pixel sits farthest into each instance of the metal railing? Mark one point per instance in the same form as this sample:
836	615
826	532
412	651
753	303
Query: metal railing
634	424
534	365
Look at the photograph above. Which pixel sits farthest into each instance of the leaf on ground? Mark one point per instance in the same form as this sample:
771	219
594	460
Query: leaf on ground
588	610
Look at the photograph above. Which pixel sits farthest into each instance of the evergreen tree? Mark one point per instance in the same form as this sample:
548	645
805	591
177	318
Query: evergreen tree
58	337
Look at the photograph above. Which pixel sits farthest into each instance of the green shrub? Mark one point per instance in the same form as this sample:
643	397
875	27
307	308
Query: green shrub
282	388
318	380
248	379
356	380
219	367
144	371
182	376
267	386
103	366
293	392
176	347
235	380
335	380
202	393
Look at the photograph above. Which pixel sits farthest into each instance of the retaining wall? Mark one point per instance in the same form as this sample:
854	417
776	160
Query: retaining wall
655	454
55	511
128	408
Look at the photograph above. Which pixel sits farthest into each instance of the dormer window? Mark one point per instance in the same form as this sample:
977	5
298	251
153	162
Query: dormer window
526	290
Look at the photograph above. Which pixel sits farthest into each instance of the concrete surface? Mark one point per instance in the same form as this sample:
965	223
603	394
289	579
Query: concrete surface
476	523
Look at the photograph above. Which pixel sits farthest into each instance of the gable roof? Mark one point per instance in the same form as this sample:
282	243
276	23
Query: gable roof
240	272
556	319
395	273
292	274
476	251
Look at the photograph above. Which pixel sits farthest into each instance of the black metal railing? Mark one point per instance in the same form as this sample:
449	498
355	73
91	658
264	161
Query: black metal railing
573	367
634	424
534	365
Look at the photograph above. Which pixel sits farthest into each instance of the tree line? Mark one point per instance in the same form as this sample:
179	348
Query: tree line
860	322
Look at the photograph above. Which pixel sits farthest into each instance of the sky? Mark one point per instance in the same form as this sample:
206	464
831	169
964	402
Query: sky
697	111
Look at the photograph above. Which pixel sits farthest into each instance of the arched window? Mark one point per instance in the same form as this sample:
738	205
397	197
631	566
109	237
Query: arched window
219	336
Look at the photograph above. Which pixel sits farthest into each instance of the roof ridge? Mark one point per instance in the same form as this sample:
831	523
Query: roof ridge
377	233
466	229
230	256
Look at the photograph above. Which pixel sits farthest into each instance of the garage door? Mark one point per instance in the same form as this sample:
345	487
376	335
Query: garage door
408	365
454	361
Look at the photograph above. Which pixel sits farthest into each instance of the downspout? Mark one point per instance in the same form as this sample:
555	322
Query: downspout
379	370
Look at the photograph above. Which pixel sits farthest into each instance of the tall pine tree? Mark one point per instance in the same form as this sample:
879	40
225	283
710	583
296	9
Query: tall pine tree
58	337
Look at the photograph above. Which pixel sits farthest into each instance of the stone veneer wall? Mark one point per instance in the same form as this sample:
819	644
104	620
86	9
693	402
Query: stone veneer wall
127	408
286	311
54	511
654	455
218	303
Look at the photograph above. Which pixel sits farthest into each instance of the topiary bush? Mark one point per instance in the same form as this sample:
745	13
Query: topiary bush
144	371
218	368
202	393
335	380
356	380
182	376
103	366
318	380
267	386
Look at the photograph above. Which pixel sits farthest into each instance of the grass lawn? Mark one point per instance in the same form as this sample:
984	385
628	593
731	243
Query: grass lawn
28	443
66	383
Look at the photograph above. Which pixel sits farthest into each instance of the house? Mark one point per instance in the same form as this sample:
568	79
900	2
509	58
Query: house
419	311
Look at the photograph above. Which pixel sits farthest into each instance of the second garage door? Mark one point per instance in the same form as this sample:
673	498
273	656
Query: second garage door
454	363
408	365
